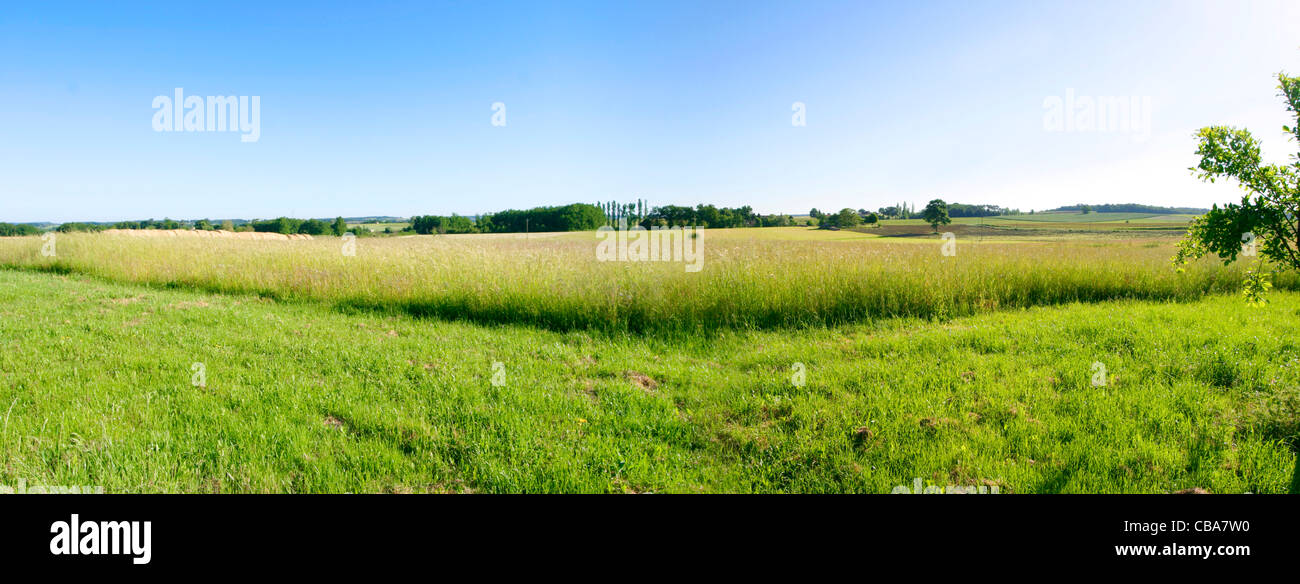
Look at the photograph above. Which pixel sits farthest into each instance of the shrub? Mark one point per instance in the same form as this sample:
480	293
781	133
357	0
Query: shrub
11	230
314	227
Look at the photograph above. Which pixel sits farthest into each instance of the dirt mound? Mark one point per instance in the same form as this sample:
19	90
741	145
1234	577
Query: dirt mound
200	233
642	380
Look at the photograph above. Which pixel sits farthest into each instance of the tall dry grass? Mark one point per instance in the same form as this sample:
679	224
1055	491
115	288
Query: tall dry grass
556	282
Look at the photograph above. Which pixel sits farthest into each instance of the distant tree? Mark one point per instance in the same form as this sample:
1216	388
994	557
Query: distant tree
847	218
871	219
459	224
1133	208
339	227
71	227
575	217
227	225
960	210
203	225
426	224
283	225
708	215
11	230
936	214
314	227
775	221
842	220
1267	222
1085	209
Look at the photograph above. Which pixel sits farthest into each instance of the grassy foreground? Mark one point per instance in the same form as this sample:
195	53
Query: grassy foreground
97	390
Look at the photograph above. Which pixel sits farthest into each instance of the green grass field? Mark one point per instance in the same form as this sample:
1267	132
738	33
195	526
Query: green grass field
796	361
1092	217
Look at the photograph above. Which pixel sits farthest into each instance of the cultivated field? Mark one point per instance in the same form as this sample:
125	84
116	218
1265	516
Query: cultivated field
378	227
796	360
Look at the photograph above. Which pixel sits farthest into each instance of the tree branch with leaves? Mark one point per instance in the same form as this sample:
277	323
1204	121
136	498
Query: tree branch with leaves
1268	217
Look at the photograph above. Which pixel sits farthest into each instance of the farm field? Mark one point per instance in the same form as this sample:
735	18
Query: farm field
797	360
1061	217
750	278
1058	222
379	227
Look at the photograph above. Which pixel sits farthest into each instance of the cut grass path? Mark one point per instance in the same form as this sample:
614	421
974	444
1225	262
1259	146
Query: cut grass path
95	389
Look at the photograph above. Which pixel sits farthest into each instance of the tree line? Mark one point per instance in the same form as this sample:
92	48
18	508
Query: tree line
586	217
844	219
1130	208
712	217
285	225
289	226
906	211
11	230
575	217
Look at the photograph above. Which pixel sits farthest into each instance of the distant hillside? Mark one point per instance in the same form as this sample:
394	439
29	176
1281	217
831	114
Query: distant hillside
374	219
184	223
1134	208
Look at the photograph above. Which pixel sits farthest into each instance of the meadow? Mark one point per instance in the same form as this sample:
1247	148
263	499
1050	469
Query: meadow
753	278
1094	218
796	361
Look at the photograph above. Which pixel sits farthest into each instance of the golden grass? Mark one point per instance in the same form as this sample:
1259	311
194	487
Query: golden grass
751	278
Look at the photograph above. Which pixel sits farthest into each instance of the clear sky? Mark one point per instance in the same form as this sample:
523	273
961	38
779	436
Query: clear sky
386	108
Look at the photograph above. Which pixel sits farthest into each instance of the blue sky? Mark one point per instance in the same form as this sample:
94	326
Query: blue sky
385	109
